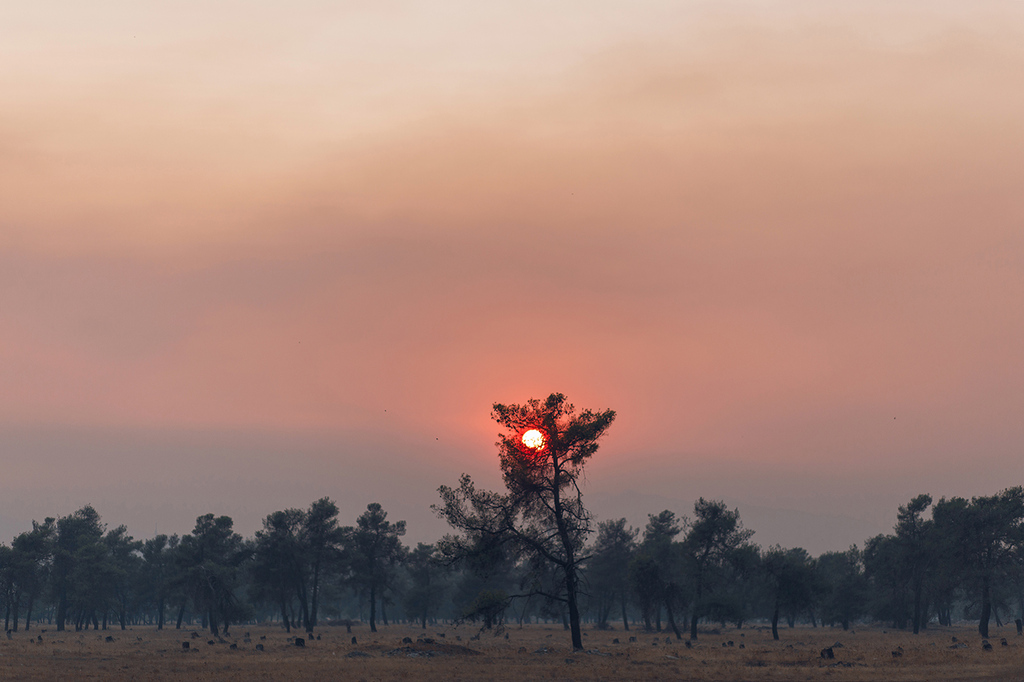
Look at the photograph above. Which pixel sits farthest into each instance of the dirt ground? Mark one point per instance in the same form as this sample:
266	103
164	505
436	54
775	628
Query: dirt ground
533	653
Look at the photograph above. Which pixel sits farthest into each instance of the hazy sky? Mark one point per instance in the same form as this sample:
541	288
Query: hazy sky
255	253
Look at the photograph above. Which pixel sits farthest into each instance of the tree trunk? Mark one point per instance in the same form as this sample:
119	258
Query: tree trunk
160	614
986	607
315	595
917	605
693	623
373	608
775	623
574	610
17	603
62	611
625	618
28	614
672	620
181	614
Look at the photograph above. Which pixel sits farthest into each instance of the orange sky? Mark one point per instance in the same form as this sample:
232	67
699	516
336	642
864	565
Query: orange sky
253	254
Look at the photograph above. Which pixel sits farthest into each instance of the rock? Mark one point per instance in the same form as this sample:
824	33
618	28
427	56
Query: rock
185	645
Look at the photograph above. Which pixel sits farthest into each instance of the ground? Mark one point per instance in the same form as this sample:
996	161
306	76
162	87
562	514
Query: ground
532	653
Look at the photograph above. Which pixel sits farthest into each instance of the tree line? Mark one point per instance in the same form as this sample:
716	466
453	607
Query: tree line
957	559
533	552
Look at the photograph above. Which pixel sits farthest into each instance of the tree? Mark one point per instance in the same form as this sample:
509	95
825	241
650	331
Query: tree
375	549
279	568
992	529
712	537
542	515
321	538
912	536
426	587
76	534
658	571
790	574
608	569
125	563
210	557
841	577
32	554
157	556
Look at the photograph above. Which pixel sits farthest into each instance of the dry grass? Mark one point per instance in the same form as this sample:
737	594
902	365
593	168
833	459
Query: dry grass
533	653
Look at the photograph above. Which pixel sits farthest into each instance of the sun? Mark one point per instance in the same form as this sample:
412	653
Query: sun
533	439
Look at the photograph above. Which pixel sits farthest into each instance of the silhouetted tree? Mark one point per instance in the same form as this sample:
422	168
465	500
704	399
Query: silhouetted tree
279	567
542	514
76	535
661	566
210	558
715	533
157	567
321	539
844	589
992	531
790	582
374	549
608	568
32	554
426	584
912	537
125	567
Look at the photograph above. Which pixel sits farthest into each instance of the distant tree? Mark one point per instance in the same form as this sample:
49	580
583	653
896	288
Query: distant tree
157	569
32	554
660	567
993	527
374	550
125	570
542	515
426	583
608	568
790	581
76	535
210	559
712	537
913	538
8	586
279	566
949	573
844	590
889	577
645	581
321	538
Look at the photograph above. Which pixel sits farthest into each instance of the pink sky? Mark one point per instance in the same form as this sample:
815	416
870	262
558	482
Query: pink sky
253	254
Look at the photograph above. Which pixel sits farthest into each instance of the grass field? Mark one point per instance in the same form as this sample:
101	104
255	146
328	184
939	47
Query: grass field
532	653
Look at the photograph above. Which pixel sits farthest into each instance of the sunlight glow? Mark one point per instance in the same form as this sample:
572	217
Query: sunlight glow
533	439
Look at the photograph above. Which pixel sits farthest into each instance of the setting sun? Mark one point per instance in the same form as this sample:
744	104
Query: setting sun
533	439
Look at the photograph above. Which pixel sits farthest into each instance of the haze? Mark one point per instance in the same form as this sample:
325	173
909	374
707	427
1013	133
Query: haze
252	254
